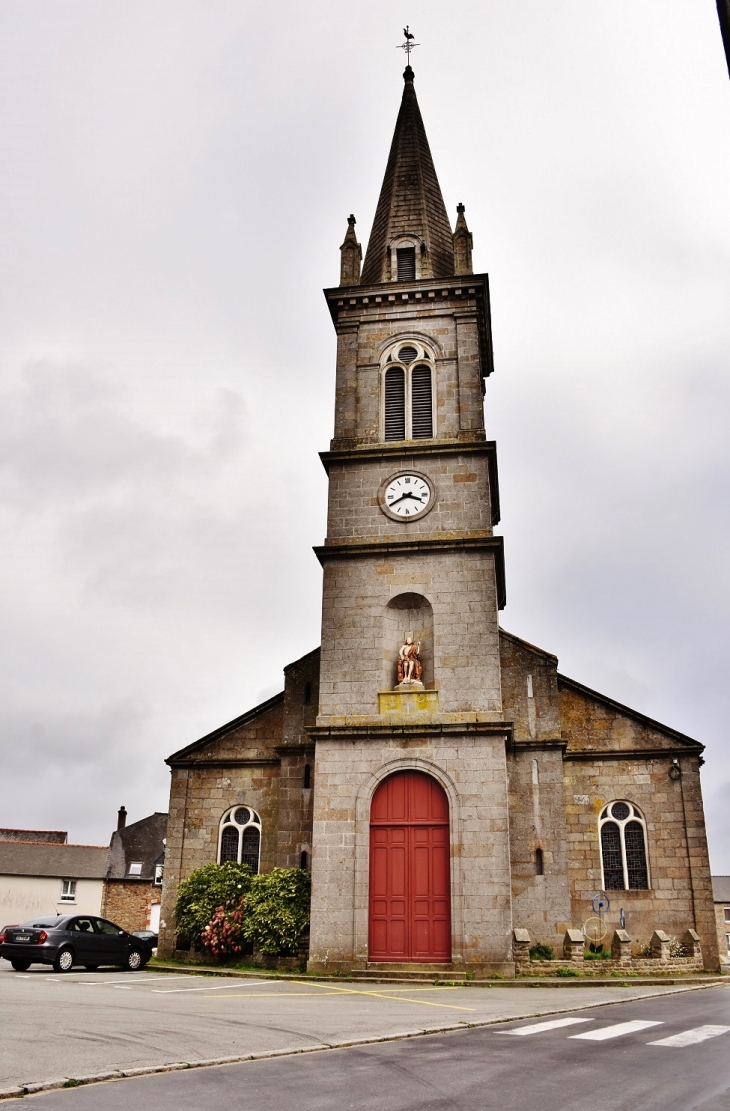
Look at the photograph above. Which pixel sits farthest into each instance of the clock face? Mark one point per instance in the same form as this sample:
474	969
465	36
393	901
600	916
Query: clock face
407	496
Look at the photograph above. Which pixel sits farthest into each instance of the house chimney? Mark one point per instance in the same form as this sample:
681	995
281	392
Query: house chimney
122	817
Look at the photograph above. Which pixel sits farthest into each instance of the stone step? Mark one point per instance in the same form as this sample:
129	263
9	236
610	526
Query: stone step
410	966
406	973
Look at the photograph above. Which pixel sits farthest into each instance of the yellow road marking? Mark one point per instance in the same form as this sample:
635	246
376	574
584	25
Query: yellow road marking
345	991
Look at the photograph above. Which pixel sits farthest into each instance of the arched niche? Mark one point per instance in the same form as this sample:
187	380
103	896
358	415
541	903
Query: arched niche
407	613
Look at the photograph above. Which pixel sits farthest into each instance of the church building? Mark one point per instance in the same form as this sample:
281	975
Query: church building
443	781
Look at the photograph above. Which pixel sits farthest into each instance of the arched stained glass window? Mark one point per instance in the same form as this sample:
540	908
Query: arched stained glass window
613	868
239	838
623	847
229	845
636	855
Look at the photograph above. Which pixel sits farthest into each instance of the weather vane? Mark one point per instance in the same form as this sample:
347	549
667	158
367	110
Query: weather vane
409	44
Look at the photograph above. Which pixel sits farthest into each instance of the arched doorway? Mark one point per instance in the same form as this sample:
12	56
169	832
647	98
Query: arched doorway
410	888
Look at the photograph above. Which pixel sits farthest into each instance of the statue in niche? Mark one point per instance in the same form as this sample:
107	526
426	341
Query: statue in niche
410	668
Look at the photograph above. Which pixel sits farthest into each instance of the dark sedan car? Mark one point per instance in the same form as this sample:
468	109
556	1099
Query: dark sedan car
72	939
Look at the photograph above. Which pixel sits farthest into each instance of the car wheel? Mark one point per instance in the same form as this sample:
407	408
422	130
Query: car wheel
91	967
134	961
64	961
21	966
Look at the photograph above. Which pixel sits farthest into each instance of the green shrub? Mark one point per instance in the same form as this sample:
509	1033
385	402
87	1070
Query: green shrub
597	954
277	910
567	972
206	889
542	952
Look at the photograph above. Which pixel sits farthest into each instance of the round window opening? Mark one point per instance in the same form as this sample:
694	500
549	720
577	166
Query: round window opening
242	816
620	811
407	354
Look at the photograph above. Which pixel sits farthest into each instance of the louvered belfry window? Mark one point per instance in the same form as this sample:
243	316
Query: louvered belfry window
421	403
406	258
395	403
408	393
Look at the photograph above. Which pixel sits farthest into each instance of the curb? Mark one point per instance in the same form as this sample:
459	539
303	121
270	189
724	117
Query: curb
22	1090
517	982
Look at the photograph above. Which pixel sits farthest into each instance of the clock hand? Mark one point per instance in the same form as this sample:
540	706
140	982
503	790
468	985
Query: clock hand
407	494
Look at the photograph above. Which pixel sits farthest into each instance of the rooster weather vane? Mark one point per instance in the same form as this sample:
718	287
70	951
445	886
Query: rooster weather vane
409	44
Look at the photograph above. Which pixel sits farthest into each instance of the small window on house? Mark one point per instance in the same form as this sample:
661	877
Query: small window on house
307	693
159	872
240	837
623	848
135	868
727	914
406	261
303	859
395	403
727	938
538	862
307	775
68	891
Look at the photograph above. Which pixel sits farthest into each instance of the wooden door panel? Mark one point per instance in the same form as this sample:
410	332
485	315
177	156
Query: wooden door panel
410	891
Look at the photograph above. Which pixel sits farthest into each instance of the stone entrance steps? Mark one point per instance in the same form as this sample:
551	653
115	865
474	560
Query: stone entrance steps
409	973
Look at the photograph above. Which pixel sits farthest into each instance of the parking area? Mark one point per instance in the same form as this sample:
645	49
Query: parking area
83	1022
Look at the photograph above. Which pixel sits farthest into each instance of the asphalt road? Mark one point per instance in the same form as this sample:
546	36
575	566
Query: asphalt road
69	1026
668	1053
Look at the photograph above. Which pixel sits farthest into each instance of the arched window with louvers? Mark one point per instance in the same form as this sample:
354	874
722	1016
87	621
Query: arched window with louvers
624	857
408	392
239	838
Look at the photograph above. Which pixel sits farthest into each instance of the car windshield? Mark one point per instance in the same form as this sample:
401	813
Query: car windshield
43	923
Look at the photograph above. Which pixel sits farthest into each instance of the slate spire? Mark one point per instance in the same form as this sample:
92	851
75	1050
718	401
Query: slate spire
411	205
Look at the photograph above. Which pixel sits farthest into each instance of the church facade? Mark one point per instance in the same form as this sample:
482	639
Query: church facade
442	780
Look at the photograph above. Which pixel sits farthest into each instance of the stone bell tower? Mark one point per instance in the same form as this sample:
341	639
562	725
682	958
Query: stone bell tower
410	848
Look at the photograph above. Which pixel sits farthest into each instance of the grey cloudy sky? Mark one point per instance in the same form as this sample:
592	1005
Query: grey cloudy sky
175	183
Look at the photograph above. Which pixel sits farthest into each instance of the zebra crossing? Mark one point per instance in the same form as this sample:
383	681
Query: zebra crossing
694	1036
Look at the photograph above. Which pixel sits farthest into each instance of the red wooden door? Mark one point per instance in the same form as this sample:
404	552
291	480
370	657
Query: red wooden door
410	889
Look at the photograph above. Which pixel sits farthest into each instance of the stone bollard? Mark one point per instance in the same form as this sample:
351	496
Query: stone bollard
573	945
691	942
659	945
521	950
621	947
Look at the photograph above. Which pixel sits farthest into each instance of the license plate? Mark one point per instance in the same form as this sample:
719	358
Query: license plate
22	937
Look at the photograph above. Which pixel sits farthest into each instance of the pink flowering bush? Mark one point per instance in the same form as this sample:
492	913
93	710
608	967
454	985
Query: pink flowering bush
223	935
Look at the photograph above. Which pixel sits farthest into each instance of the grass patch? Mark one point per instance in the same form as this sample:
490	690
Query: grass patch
73	1083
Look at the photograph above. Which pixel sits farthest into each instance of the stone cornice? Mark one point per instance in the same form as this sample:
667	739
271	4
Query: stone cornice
222	762
471	542
375	730
536	743
667	754
346	302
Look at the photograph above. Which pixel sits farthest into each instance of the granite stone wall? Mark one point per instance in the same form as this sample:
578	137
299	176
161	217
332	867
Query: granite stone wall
472	771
